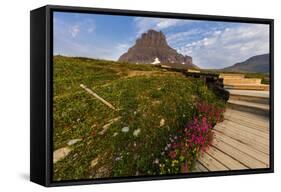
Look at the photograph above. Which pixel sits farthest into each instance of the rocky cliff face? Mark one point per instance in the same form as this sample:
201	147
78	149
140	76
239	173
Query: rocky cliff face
152	48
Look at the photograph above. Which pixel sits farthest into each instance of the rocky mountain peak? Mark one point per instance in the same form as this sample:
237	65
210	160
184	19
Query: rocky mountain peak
152	38
152	48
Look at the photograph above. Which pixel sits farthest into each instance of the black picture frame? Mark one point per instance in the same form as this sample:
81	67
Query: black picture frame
41	85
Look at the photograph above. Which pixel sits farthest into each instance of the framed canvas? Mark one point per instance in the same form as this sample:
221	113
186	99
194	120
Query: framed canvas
122	95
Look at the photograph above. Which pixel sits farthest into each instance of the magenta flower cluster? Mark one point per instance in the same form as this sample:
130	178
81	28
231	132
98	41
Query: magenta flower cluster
213	113
196	132
183	149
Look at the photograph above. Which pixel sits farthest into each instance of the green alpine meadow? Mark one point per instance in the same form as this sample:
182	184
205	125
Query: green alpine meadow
151	106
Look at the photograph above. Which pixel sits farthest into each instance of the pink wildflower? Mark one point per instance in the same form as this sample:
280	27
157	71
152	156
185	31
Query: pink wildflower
173	154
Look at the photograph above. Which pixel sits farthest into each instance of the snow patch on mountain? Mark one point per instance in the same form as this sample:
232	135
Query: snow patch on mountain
156	61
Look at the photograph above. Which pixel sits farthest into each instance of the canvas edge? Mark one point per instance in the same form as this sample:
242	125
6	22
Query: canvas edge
48	100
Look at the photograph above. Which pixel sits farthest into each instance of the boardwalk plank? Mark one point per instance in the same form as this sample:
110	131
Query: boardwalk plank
244	137
244	158
255	120
239	127
199	168
248	116
243	147
225	159
211	164
263	128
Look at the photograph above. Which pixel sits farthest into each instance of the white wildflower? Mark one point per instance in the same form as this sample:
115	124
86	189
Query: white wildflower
156	161
136	132
162	122
125	129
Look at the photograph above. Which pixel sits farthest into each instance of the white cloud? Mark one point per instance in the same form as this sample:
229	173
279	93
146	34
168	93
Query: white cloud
81	27
226	47
88	25
165	23
180	36
76	39
74	30
145	23
70	47
69	38
90	29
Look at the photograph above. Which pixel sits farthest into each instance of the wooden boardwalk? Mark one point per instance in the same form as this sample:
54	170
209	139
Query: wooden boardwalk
239	82
241	141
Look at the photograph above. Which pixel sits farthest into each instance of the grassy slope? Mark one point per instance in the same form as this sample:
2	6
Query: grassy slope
144	95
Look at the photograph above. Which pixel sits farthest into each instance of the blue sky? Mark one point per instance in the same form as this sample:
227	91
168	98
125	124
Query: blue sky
211	44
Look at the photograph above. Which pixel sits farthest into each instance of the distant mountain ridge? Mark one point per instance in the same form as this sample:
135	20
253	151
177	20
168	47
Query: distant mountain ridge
258	64
152	48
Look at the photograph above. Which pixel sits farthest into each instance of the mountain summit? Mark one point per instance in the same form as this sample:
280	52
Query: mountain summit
152	48
258	63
